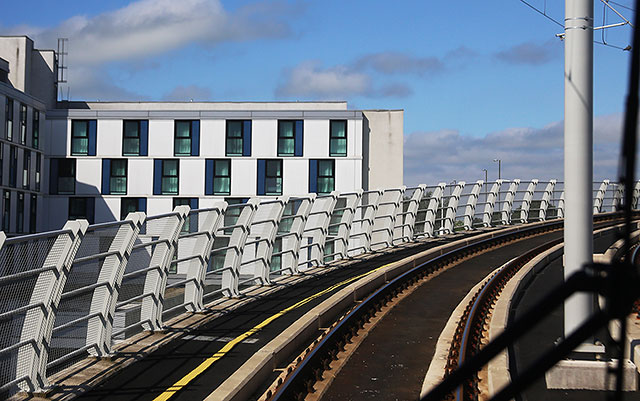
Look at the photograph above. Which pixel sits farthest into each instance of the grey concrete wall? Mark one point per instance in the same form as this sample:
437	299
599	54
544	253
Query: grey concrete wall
17	51
383	140
43	77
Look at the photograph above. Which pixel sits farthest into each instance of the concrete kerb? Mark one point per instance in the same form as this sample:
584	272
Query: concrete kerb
438	364
253	372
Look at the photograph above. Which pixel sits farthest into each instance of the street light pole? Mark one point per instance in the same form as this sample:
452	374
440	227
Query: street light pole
499	167
485	184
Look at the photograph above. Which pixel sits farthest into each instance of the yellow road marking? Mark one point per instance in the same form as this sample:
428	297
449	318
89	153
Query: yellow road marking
177	386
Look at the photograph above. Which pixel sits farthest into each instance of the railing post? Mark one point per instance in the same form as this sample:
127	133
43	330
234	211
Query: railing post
561	206
546	200
156	280
316	229
405	230
526	201
492	198
599	199
360	235
385	219
432	209
36	327
636	195
452	208
105	297
290	252
264	228
341	223
200	246
508	202
233	255
617	197
470	207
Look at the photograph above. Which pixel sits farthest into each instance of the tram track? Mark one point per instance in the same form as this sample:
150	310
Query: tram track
305	377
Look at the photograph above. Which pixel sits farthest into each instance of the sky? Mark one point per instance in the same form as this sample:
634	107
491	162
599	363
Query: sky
477	80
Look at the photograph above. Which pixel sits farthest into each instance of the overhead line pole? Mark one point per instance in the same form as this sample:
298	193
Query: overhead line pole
578	153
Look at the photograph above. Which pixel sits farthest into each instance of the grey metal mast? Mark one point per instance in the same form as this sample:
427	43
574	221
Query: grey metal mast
578	152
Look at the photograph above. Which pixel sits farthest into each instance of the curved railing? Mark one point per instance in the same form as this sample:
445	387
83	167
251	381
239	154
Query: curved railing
68	294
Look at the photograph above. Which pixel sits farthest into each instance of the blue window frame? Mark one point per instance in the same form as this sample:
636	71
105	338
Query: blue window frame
322	176
114	176
238	138
290	137
186	141
337	138
166	174
83	137
62	176
135	137
217	177
269	177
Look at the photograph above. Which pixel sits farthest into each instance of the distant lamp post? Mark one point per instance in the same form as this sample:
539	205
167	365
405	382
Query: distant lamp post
486	175
499	167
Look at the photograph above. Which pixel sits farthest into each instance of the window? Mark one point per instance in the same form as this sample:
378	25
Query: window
35	131
1	161
6	210
238	139
8	115
23	125
13	166
217	177
62	176
187	138
321	176
26	163
20	214
290	138
270	177
135	137
114	176
165	174
338	138
82	208
83	137
33	214
38	169
130	205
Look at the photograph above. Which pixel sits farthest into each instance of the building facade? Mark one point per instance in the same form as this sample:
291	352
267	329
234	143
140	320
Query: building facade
102	160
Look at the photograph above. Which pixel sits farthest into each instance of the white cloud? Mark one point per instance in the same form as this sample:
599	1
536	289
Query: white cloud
149	27
310	80
526	153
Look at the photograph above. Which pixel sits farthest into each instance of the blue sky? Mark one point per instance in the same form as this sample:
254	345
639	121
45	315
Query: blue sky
477	76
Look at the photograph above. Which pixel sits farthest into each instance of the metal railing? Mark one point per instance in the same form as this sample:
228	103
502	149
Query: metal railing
76	292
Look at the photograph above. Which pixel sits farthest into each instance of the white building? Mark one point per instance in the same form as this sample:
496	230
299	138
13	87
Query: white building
105	159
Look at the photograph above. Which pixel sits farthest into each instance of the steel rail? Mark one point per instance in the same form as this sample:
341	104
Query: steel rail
301	380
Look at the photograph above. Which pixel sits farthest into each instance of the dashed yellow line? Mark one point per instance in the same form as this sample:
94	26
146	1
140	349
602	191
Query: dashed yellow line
180	384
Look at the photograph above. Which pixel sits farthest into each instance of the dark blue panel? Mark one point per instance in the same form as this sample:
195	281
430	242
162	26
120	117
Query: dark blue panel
299	138
93	128
157	177
208	177
144	137
53	176
193	203
91	210
261	176
313	176
106	174
246	138
195	138
142	205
